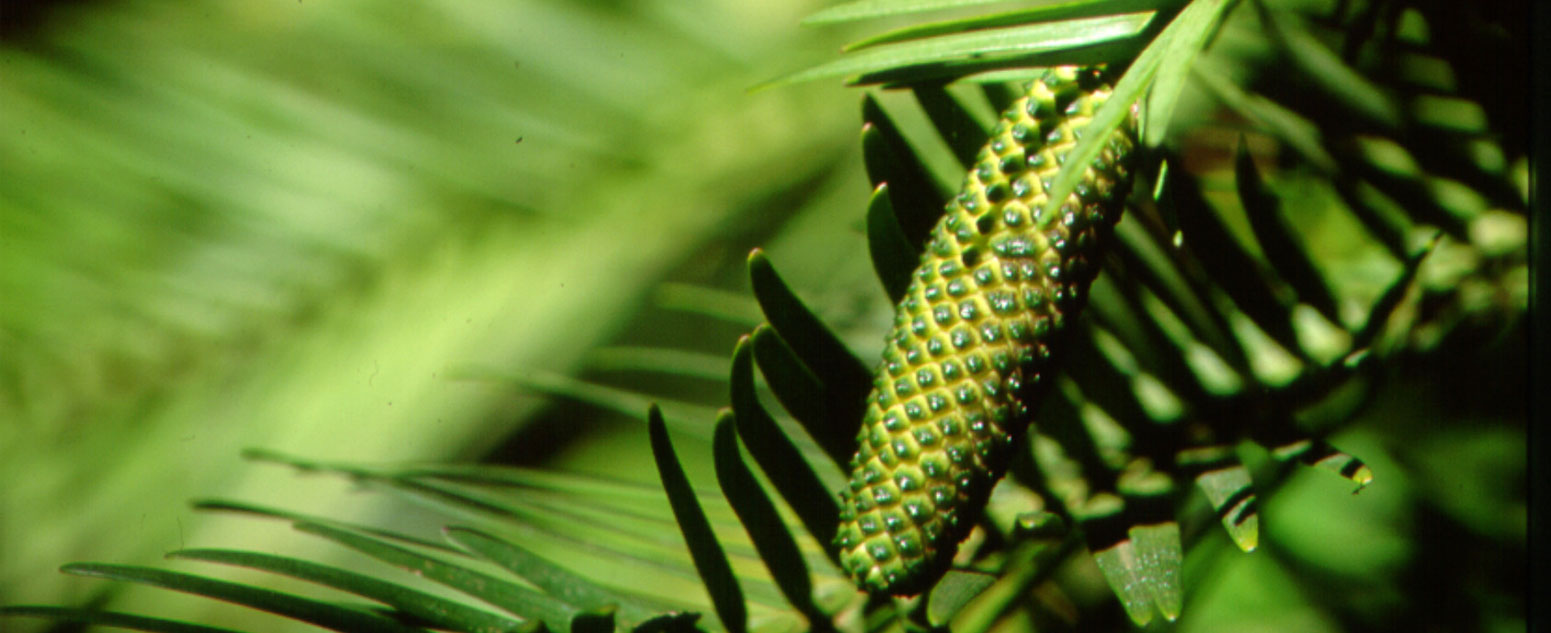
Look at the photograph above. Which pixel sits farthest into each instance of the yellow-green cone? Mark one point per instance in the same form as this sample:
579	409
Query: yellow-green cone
974	333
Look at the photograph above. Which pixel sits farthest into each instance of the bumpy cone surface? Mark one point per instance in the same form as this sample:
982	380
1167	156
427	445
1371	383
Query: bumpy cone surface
973	336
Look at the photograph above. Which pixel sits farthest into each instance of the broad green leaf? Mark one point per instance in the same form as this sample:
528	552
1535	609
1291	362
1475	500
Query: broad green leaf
434	610
505	595
323	614
894	258
107	618
765	527
704	548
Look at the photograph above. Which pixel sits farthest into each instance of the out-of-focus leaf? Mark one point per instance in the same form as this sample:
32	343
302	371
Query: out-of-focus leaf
1326	69
1227	485
1229	264
956	589
323	614
1276	239
221	505
107	618
1382	309
1144	571
686	417
1288	444
869	9
663	360
732	307
704	548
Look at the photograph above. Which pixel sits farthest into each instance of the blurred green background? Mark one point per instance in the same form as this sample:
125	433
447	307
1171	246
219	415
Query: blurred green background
297	226
283	225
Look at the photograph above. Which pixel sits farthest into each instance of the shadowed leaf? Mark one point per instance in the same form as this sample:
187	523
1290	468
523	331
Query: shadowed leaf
704	548
843	375
771	538
1382	309
782	463
951	594
963	133
1276	237
1228	487
916	196
600	620
1226	261
893	257
108	618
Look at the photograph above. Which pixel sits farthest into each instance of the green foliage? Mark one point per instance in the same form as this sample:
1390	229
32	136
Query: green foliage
1330	246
